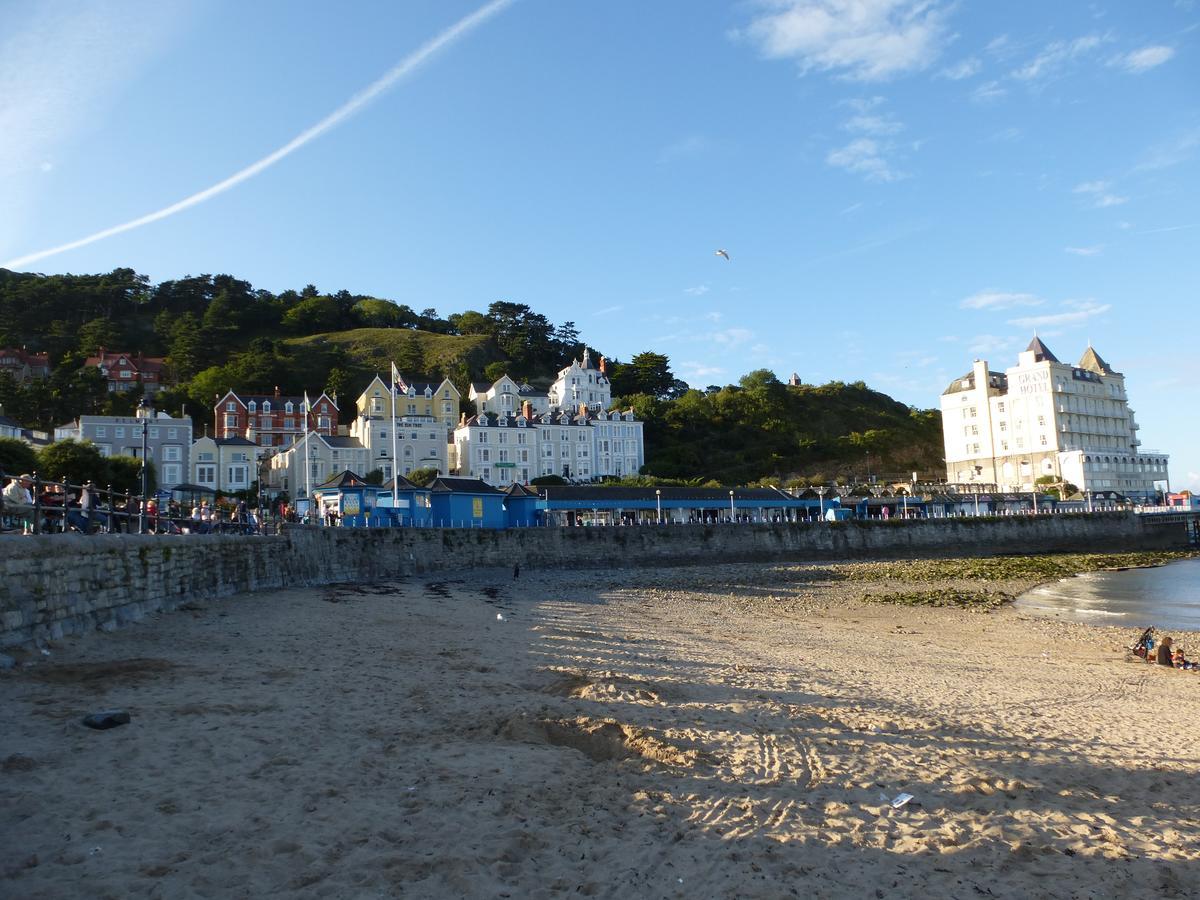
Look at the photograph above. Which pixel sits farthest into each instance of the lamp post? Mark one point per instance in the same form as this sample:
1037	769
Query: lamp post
1089	500
143	411
732	514
821	501
658	504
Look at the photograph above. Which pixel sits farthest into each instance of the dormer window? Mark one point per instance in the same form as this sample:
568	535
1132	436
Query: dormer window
252	406
266	406
289	408
521	422
502	421
428	393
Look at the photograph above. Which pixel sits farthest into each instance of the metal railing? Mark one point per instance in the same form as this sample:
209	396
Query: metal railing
56	506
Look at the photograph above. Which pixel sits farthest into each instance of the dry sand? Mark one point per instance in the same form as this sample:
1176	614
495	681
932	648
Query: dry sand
700	732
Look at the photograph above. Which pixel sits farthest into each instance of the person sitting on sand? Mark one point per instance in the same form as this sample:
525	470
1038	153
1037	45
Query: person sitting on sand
1180	661
1164	653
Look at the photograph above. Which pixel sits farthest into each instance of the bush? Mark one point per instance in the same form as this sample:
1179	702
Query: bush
16	457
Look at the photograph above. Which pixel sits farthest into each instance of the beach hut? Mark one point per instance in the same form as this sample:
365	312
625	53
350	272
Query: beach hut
413	504
465	503
521	507
346	500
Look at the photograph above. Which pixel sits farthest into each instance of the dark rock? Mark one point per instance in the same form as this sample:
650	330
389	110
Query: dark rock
109	718
6	661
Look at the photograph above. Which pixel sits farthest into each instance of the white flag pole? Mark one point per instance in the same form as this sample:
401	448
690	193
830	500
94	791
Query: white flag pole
395	462
307	461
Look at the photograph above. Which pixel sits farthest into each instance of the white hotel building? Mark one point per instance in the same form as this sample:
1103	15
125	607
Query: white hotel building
569	431
1044	417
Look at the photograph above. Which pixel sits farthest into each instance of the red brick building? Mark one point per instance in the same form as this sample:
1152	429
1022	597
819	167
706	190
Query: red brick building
23	365
273	420
125	372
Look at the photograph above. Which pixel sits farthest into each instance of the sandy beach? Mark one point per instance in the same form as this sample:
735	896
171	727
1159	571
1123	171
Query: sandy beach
725	731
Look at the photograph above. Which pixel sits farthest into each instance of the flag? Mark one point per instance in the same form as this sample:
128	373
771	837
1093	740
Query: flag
307	410
398	385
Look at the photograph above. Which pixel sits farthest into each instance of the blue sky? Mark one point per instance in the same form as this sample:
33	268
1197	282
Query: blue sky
902	185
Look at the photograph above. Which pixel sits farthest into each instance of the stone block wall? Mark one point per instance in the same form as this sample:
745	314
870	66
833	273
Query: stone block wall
55	585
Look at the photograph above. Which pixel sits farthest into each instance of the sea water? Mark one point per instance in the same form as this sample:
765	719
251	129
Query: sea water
1166	597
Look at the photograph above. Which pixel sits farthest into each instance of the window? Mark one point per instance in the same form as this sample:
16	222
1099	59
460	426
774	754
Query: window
170	474
1000	407
172	433
101	431
1043	440
289	424
230	407
170	453
119	431
1041	420
252	406
483	437
503	436
266	406
483	454
289	408
972	412
125	373
206	474
1003	426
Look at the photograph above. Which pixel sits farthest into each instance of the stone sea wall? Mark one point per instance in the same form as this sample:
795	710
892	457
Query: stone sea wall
56	585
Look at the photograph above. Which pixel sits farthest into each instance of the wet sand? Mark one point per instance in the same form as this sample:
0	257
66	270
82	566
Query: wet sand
699	732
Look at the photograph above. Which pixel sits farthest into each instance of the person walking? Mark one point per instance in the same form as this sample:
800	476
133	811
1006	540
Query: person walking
516	571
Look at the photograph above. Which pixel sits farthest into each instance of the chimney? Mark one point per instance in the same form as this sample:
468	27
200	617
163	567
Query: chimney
583	410
527	409
462	418
603	366
277	393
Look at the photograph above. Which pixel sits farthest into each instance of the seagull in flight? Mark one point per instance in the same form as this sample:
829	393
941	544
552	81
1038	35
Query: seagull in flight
724	253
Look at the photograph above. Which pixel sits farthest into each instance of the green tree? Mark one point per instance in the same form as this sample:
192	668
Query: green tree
647	373
97	333
75	461
422	477
375	476
493	372
16	457
125	475
313	316
186	347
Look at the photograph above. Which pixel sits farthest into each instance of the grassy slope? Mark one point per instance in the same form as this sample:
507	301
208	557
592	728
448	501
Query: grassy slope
376	347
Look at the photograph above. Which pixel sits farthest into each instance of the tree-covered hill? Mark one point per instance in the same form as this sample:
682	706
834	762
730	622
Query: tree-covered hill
218	333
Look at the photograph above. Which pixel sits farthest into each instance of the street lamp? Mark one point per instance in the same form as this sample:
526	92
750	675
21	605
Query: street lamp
732	514
143	411
658	504
821	500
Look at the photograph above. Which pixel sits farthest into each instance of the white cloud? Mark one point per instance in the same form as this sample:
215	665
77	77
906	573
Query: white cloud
963	69
713	316
1171	153
698	291
863	40
988	91
1078	311
853	207
1094	250
1142	60
999	300
877	125
865	157
984	344
732	337
608	311
1056	56
692	370
1099	191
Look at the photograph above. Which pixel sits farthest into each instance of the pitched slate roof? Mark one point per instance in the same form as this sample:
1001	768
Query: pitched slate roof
519	490
1092	361
453	484
588	492
403	485
1041	353
344	479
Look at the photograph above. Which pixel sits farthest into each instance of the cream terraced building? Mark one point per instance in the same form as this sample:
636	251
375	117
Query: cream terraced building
1042	417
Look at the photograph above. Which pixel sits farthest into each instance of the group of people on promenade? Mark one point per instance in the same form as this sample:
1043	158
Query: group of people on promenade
59	507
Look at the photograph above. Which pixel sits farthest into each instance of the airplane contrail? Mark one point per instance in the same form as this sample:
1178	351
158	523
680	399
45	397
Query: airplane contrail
405	67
